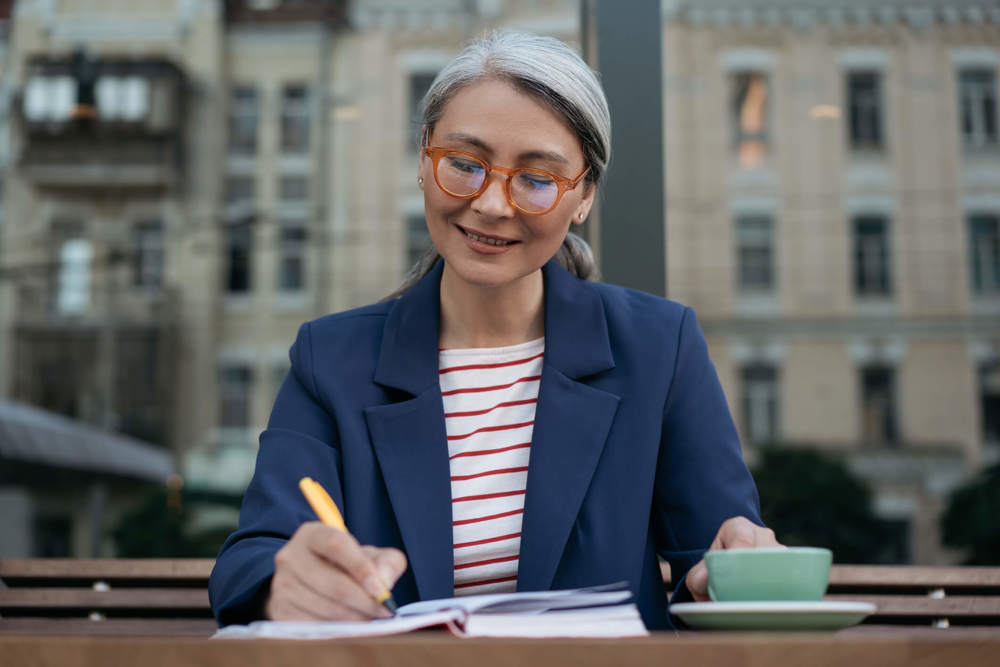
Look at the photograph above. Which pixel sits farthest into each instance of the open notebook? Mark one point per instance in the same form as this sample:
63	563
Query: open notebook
602	611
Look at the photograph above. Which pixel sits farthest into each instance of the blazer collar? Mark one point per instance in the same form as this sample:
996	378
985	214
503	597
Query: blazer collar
576	332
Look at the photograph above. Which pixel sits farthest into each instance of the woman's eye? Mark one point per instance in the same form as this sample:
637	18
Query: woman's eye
537	181
464	165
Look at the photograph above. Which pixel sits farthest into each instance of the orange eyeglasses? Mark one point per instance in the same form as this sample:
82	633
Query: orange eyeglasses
531	191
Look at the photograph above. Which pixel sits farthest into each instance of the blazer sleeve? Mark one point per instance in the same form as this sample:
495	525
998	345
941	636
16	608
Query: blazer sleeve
300	440
701	479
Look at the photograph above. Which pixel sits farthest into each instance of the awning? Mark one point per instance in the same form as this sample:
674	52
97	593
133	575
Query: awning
32	435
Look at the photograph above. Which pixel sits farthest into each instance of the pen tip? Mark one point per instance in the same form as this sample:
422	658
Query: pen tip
390	604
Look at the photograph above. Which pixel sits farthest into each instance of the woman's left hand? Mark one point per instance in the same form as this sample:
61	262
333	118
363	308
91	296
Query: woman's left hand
735	533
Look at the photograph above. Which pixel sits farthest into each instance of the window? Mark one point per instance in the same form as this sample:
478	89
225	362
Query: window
878	401
748	109
240	189
755	253
420	83
292	255
864	105
760	403
984	254
293	189
417	239
149	254
235	385
295	118
123	98
977	106
244	116
73	280
239	250
871	256
49	98
989	399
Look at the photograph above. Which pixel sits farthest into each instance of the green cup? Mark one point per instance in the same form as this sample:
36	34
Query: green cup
745	575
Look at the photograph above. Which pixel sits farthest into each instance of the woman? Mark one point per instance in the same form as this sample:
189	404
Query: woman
503	424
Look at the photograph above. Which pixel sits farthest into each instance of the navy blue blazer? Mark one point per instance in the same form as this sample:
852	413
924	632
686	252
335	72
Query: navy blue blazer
633	453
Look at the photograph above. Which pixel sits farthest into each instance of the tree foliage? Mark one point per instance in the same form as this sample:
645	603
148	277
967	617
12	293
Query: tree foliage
972	518
812	499
160	526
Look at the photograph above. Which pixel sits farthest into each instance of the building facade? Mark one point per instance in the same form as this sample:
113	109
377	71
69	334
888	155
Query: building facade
833	181
833	197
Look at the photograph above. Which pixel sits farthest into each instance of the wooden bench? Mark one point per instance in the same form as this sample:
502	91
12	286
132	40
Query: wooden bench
169	596
106	596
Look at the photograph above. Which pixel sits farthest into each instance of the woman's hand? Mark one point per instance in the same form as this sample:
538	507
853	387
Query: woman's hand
323	574
735	533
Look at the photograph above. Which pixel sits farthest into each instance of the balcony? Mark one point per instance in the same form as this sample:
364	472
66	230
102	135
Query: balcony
104	123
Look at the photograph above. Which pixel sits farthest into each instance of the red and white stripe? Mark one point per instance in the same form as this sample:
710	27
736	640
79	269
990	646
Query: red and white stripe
489	407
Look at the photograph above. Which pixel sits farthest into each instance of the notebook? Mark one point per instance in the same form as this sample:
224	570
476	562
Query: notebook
601	611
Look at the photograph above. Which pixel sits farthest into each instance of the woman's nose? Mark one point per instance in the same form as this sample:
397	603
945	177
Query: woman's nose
493	201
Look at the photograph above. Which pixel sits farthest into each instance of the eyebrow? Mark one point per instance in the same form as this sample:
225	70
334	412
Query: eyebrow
551	156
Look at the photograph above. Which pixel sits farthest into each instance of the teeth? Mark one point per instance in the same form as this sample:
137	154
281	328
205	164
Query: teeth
485	239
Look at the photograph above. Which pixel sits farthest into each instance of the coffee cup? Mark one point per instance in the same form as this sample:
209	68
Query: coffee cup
788	574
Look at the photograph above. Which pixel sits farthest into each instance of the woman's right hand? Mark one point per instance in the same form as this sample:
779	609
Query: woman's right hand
323	574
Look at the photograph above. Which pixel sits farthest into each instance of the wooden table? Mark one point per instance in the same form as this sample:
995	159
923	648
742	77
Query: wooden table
859	647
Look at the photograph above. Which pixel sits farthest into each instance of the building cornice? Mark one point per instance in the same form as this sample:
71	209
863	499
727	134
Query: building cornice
836	13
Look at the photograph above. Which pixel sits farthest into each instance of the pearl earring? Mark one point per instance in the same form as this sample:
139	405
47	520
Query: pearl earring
420	180
581	215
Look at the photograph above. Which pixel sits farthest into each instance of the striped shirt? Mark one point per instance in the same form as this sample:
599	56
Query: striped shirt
489	408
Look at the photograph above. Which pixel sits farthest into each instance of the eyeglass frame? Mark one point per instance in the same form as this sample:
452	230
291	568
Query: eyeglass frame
564	184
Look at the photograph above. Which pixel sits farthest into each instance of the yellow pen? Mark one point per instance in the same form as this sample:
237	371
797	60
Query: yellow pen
327	511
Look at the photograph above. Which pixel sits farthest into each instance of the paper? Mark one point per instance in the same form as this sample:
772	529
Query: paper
586	612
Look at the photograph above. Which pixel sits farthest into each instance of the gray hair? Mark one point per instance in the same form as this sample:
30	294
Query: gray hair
552	73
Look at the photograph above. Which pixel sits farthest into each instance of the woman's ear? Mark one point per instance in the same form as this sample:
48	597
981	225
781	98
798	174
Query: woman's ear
422	159
584	207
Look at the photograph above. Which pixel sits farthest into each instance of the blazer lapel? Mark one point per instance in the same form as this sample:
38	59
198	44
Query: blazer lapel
572	422
409	436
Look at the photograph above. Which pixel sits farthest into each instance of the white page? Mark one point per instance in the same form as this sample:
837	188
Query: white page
524	602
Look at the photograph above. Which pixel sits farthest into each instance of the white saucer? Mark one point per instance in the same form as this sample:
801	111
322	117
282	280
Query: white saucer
772	615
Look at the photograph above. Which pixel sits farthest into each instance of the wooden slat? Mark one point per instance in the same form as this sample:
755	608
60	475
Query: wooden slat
106	568
918	605
909	576
85	598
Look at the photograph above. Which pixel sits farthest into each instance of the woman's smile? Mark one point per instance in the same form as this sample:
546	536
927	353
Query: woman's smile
487	244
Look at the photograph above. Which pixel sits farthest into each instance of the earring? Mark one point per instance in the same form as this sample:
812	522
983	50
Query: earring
581	215
420	180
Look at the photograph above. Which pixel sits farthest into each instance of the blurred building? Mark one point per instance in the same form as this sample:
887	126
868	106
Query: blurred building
238	167
190	180
833	203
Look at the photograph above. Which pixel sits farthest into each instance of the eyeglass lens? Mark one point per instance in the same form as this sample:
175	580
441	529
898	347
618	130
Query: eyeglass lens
531	191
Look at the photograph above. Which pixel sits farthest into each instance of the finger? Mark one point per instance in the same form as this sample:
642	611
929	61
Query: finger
738	533
767	538
299	559
390	563
697	581
336	585
342	550
301	603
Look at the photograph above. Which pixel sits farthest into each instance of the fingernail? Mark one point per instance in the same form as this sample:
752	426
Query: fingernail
373	586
